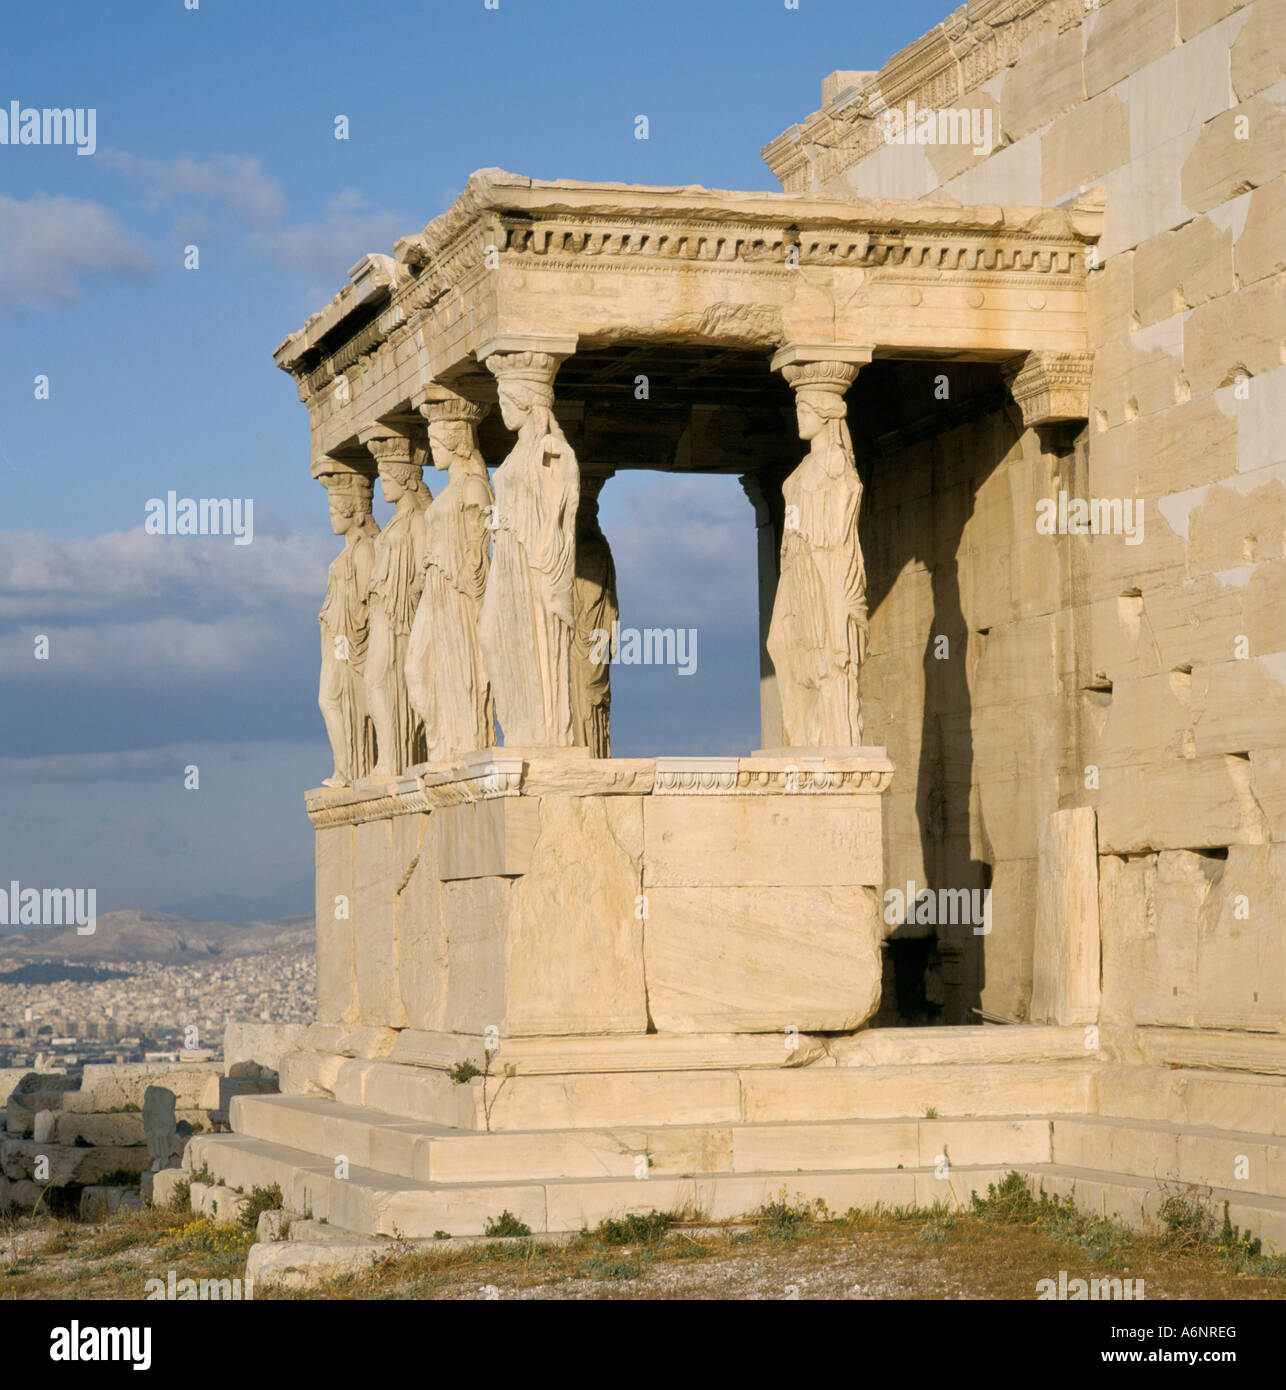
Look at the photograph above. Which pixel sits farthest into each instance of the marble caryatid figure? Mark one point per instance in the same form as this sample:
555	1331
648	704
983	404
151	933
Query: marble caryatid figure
394	594
528	611
818	634
345	628
594	631
444	673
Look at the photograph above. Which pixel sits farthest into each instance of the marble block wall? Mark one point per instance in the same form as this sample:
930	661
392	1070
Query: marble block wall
1167	657
613	897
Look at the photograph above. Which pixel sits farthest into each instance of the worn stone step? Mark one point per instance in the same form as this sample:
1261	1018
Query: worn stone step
382	1204
375	1203
1137	1200
1183	1153
658	1052
961	1090
608	1099
435	1153
1241	1101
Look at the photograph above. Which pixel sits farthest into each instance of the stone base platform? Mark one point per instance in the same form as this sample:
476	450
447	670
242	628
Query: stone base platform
856	1132
538	893
696	1079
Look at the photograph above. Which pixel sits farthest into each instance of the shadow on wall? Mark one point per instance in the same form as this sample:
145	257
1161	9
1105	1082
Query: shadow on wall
923	456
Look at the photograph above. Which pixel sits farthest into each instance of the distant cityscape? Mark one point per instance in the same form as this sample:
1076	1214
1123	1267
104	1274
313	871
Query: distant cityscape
62	1014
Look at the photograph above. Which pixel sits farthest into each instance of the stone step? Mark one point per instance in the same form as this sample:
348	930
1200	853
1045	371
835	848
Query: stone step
434	1153
1241	1101
1178	1153
377	1203
961	1090
1137	1200
657	1052
780	1095
374	1203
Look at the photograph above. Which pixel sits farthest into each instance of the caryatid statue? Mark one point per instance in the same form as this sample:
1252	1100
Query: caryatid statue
818	634
528	610
593	637
444	673
394	593
345	628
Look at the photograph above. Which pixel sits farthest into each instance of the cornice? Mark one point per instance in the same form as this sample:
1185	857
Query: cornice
569	226
970	46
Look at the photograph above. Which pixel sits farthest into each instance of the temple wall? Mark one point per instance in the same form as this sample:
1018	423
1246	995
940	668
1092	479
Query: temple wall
1168	656
962	685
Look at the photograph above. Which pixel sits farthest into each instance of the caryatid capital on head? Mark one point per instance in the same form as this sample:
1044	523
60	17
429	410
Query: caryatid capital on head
528	375
399	457
525	365
821	374
349	484
357	486
391	449
828	378
453	427
452	410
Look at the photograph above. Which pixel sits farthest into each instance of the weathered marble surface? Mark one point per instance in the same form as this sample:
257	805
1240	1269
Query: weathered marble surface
445	679
395	586
528	610
511	898
345	629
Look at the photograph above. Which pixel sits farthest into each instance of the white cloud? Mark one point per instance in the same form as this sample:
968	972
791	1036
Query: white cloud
125	606
685	549
236	182
328	246
49	244
234	194
134	764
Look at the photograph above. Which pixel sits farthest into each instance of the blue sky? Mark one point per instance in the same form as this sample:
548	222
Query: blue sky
215	127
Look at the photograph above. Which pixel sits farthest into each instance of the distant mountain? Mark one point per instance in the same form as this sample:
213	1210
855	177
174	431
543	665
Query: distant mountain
229	907
161	937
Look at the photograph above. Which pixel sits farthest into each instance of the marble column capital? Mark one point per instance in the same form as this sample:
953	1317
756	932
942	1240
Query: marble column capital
801	357
441	407
333	471
558	346
1050	388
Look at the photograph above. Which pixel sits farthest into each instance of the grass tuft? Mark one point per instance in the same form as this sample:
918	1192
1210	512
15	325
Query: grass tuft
506	1224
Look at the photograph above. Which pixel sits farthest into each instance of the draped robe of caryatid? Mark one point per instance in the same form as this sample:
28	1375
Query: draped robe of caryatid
528	609
394	593
817	636
444	670
345	630
596	613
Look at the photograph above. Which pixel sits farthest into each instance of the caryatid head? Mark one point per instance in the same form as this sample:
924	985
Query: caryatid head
349	497
820	408
453	431
401	469
526	385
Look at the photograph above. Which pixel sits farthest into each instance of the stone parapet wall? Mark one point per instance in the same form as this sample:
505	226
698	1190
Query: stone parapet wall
559	895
